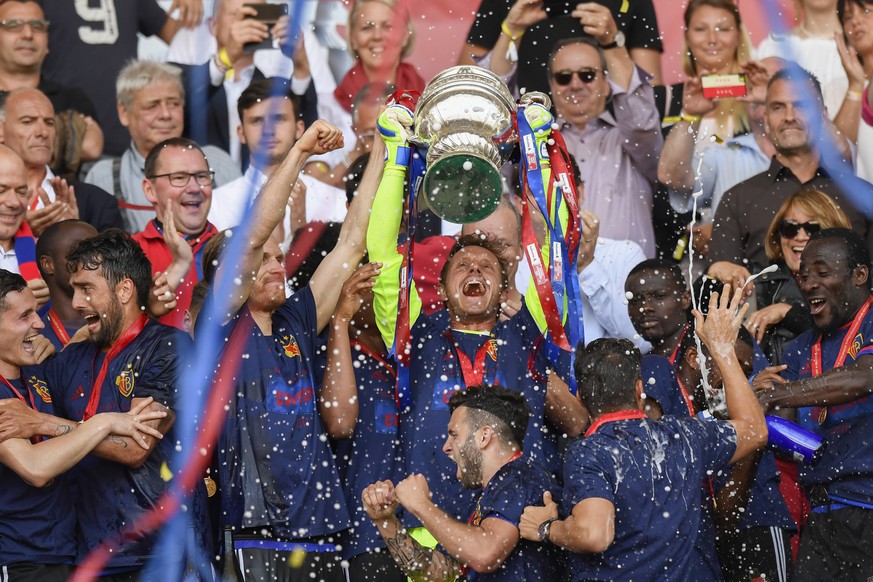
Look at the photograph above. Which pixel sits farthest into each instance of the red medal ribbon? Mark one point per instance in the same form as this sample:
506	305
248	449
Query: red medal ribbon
816	364
58	327
474	373
675	353
689	402
128	336
35	439
378	357
614	417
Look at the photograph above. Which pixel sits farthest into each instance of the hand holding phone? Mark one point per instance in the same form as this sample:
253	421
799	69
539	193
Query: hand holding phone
268	14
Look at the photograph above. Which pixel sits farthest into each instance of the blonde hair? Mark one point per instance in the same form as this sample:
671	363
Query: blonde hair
728	113
813	202
392	4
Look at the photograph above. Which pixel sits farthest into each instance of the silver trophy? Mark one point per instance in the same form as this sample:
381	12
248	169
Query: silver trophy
464	115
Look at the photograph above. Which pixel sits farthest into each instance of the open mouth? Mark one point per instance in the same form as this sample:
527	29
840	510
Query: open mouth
816	305
473	289
191	204
28	343
92	321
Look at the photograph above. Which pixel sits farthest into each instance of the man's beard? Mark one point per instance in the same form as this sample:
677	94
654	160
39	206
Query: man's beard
471	469
110	326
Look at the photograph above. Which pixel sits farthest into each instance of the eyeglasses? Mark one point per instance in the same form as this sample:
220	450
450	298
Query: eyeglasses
17	24
563	78
788	229
181	179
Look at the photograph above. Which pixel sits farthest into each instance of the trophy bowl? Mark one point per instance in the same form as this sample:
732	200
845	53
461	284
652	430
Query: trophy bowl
463	114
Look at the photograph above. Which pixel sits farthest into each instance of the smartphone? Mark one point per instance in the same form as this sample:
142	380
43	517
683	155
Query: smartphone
722	86
269	14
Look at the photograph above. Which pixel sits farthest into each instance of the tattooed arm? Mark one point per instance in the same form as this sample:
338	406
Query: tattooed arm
415	560
39	463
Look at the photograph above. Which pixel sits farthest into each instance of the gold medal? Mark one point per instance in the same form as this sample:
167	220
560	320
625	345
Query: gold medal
211	486
822	415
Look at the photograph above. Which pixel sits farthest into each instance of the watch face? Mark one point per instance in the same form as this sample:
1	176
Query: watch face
619	38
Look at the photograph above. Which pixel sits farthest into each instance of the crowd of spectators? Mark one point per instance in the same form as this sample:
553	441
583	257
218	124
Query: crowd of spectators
219	247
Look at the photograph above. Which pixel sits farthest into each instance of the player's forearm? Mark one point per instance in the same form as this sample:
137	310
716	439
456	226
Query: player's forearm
356	225
579	535
742	404
269	207
468	544
837	386
338	397
415	560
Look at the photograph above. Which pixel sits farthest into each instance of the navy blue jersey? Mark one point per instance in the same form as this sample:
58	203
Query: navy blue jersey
111	496
846	464
275	464
435	375
373	452
513	487
651	472
37	524
766	506
50	334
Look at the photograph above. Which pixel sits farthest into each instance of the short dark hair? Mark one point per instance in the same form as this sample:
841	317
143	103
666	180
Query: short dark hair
264	89
606	371
151	161
487	242
118	256
672	269
792	72
49	237
565	42
505	410
854	247
9	282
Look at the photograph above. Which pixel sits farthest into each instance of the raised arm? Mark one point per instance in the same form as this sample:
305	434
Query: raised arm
719	333
338	398
394	126
336	267
676	163
269	209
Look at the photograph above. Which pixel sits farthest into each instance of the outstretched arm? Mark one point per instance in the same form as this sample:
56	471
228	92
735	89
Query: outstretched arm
39	463
269	209
327	280
719	333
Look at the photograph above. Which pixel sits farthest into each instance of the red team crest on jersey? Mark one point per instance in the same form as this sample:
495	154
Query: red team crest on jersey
491	350
856	346
41	389
125	382
289	344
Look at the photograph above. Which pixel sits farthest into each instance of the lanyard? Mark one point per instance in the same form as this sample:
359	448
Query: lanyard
126	338
685	395
614	417
58	327
474	372
675	353
821	412
34	439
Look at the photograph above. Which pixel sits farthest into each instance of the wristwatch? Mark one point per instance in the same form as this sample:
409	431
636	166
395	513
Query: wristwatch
543	529
617	43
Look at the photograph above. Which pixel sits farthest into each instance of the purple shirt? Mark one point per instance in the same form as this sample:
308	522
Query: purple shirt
618	161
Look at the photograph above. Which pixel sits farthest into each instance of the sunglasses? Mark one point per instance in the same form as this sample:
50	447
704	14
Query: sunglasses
788	229
564	78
